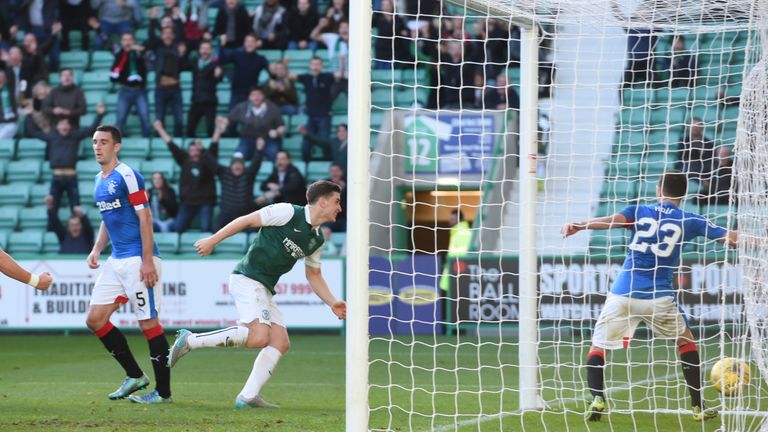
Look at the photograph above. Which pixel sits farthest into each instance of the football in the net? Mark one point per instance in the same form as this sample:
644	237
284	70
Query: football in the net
730	375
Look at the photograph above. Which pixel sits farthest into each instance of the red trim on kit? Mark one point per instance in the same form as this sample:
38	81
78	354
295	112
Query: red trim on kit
121	300
153	332
625	342
596	353
138	198
690	346
100	333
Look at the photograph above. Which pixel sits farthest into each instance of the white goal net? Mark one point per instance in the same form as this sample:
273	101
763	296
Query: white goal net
495	122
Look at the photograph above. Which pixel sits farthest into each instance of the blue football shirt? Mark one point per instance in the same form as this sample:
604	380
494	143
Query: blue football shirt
658	233
119	196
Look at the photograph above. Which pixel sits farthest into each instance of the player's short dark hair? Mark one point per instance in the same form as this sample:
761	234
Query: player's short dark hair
65	69
458	214
288	155
320	189
115	132
674	184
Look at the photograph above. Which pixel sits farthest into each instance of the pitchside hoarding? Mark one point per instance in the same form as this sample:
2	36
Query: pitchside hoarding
195	295
574	289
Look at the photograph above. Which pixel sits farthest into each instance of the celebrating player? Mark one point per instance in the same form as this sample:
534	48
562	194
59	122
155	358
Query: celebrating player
130	274
643	291
286	234
12	269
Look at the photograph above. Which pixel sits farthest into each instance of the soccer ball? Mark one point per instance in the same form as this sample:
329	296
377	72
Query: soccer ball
730	375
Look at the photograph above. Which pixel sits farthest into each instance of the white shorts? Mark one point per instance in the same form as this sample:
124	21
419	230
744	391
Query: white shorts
621	315
254	301
119	282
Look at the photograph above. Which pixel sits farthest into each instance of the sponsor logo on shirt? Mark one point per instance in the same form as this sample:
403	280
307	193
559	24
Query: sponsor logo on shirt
293	248
109	205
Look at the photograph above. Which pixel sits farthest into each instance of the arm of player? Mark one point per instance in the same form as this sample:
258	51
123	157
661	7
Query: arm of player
101	242
602	223
148	270
274	215
320	287
12	269
730	238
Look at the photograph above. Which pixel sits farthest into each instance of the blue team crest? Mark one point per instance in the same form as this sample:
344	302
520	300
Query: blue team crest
112	187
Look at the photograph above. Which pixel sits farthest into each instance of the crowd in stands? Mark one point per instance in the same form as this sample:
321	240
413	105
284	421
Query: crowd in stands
38	99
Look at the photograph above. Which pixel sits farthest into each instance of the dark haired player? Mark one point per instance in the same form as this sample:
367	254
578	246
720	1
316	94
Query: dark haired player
643	290
286	234
130	274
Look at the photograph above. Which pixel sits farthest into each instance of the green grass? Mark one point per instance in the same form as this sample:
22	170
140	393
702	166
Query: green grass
61	383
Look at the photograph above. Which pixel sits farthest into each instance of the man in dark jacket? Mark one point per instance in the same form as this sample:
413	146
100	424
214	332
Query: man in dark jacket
169	59
233	23
130	71
197	185
8	108
696	153
248	65
65	101
34	66
63	145
257	119
41	18
318	86
236	182
206	74
77	237
285	184
300	23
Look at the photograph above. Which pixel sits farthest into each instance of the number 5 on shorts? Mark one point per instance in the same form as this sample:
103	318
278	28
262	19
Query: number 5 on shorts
141	300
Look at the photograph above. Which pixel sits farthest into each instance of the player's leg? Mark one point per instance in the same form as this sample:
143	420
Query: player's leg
266	362
106	298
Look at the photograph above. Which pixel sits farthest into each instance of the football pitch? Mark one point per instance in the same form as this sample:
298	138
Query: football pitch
57	382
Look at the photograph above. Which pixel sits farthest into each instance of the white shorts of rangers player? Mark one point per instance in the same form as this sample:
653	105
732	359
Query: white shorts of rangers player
621	315
254	301
119	282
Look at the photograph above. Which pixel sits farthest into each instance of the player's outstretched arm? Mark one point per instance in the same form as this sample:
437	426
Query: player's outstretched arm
13	270
101	242
320	287
602	223
206	245
730	238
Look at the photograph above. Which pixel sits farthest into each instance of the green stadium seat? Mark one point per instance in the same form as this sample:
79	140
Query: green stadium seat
38	192
629	142
87	169
30	242
187	241
619	189
31	148
97	80
233	245
662	116
227	146
24	171
158	149
9	218
165	166
671	96
7	148
167	243
608	243
299	59
16	194
265	170
33	218
137	148
647	187
387	75
93	214
635	97
272	55
86	188
73	59
341	105
50	243
100	61
382	98
3	169
317	170
623	165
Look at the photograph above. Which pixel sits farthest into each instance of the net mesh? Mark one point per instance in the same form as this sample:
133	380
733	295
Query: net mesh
626	91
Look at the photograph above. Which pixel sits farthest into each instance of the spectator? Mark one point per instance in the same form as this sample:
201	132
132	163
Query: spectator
115	18
232	24
130	71
236	181
300	22
338	50
681	65
62	148
34	67
335	147
696	152
32	109
77	237
195	15
75	15
285	184
7	30
66	100
640	48
17	75
197	185
454	90
281	90
206	75
318	88
391	36
502	96
337	175
169	59
257	119
717	189
156	25
162	201
41	19
268	25
336	12
8	109
248	65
